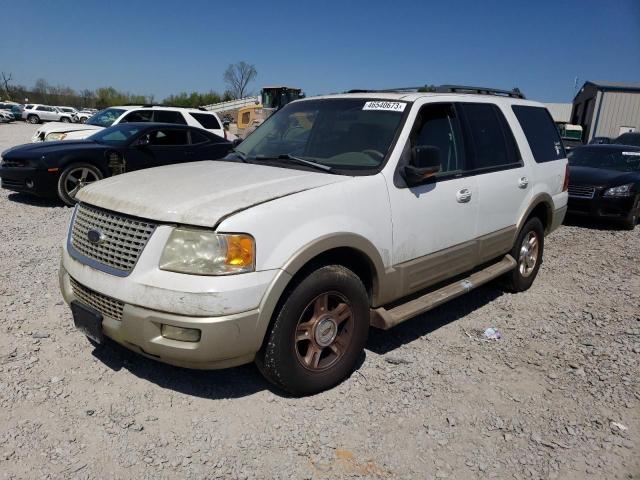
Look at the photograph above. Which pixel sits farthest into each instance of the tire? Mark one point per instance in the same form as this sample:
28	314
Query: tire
83	173
65	120
83	120
319	332
631	221
33	119
527	260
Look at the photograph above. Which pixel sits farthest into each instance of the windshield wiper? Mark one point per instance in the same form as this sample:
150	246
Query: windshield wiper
300	160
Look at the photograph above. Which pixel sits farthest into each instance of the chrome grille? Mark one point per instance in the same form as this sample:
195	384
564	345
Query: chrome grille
123	240
581	191
107	306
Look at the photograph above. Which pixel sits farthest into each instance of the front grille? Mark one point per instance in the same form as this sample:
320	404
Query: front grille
581	191
123	237
6	183
107	306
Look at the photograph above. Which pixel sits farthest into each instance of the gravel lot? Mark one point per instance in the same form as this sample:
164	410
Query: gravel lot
557	397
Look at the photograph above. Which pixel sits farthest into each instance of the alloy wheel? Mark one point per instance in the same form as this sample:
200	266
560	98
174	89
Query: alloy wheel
324	331
78	178
528	257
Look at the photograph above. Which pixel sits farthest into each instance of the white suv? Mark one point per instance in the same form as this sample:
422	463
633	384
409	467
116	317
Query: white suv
338	213
131	113
45	113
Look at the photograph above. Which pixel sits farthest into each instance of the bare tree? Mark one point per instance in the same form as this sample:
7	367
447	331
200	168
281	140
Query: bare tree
5	81
238	76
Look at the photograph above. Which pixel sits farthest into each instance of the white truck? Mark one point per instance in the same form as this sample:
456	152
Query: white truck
194	117
338	213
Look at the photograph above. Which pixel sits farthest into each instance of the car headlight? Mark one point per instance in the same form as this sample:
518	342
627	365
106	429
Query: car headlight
201	252
51	137
621	191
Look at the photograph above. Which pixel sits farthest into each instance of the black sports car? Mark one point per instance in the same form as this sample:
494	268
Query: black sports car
604	182
61	168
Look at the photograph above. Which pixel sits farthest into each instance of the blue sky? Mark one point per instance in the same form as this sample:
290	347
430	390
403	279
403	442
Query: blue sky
162	47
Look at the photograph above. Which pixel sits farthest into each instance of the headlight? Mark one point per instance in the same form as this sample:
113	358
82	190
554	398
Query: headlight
51	137
200	252
621	191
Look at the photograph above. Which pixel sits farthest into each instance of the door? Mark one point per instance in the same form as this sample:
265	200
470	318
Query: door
45	113
163	146
503	181
434	224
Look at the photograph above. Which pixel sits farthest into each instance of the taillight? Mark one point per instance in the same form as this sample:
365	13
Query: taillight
565	186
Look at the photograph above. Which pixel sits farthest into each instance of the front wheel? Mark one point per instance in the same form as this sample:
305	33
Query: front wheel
527	253
629	223
319	332
73	178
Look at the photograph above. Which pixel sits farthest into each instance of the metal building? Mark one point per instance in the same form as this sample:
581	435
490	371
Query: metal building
607	109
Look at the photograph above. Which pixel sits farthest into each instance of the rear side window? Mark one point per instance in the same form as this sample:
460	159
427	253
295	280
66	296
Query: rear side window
490	139
541	133
198	137
167	116
206	120
168	138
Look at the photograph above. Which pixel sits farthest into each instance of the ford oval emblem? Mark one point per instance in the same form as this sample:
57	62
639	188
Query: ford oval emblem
96	236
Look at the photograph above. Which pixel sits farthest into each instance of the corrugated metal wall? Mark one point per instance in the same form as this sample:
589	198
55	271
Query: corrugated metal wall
618	109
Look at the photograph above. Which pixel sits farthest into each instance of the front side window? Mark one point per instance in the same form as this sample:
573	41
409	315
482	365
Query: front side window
105	118
438	127
541	133
491	142
352	134
138	116
168	138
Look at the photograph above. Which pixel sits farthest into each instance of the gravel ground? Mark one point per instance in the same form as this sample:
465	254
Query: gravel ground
557	397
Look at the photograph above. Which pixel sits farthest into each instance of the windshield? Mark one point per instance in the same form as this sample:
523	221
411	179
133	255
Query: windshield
105	118
349	134
630	138
118	135
606	158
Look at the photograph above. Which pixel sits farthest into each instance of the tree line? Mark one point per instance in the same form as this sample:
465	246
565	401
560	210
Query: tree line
237	77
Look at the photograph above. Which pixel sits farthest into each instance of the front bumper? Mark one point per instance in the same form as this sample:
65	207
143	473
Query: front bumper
601	207
17	178
232	313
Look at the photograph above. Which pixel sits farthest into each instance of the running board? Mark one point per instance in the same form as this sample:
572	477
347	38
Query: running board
385	319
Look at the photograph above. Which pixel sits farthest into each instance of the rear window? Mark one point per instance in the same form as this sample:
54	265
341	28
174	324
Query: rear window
167	116
541	133
492	143
206	120
198	137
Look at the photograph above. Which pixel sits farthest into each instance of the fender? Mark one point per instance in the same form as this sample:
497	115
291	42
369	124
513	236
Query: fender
541	198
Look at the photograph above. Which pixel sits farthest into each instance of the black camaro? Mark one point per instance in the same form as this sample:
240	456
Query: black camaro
61	168
604	182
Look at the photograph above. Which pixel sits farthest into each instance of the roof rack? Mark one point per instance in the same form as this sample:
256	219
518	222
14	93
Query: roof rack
149	105
515	93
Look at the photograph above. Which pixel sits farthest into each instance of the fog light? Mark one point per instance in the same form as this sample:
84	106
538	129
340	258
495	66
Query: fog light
181	334
30	183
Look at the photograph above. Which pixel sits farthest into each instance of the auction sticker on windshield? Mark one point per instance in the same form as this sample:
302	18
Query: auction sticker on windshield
380	105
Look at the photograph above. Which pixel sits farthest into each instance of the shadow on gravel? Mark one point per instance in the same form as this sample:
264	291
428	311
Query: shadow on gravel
27	199
384	341
213	384
591	223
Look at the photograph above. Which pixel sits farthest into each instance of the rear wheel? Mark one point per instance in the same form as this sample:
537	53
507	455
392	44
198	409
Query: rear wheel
319	332
73	178
527	253
65	120
33	119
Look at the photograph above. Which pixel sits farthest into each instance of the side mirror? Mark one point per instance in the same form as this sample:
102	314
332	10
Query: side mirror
235	142
425	163
143	141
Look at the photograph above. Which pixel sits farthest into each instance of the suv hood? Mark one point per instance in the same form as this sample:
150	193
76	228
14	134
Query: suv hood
66	127
199	193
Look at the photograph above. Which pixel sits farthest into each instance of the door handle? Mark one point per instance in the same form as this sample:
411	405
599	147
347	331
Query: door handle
463	196
523	182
